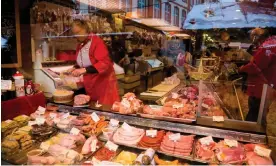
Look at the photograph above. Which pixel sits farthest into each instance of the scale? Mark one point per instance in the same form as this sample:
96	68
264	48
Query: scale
46	74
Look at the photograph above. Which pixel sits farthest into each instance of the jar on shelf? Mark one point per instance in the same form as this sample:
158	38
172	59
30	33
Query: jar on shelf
19	84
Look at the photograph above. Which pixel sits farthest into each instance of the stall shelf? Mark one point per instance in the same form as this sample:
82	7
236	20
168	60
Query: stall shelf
238	133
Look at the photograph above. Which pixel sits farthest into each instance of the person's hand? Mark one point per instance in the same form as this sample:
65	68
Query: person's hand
79	72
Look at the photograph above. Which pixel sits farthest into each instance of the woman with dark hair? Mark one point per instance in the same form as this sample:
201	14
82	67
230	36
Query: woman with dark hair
94	63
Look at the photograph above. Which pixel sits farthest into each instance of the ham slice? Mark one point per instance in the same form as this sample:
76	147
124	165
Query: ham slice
205	152
81	100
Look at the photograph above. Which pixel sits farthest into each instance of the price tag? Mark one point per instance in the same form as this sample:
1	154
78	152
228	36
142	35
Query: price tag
206	140
126	126
111	146
218	118
174	137
176	106
74	131
264	152
30	123
205	106
40	120
41	110
95	117
6	84
151	133
93	145
44	146
125	103
53	115
155	107
231	143
114	122
175	95
8	121
65	116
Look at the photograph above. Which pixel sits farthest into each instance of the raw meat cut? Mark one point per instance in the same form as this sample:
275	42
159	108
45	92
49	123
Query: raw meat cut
131	137
129	104
230	155
205	152
87	145
254	159
81	100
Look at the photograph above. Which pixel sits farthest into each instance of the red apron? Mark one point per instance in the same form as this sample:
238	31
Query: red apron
101	86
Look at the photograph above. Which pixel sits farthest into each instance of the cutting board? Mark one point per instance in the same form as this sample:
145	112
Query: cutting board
164	87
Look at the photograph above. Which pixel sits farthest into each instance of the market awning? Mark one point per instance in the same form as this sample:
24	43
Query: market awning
229	15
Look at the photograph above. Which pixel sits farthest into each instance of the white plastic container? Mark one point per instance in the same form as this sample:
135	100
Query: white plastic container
19	84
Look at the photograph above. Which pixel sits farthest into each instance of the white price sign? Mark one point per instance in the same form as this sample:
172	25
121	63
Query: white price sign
175	95
231	143
206	140
74	131
66	115
111	146
176	106
6	84
95	117
41	110
53	115
264	152
218	118
93	145
155	107
151	133
114	122
126	126
40	120
174	137
30	123
205	106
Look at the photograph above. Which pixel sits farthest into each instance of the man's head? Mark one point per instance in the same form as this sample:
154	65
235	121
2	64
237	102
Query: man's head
80	29
258	35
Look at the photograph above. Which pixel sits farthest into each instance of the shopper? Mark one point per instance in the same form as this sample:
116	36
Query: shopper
261	70
94	63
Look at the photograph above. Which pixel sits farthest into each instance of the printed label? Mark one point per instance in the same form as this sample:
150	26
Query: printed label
151	133
174	137
176	106
111	146
40	120
95	117
41	110
231	143
264	152
206	140
218	118
74	131
114	122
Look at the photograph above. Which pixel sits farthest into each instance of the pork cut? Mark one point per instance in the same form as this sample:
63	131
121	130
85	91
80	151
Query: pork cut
81	100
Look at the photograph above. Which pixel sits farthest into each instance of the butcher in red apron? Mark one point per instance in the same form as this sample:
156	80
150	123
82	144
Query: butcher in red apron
94	63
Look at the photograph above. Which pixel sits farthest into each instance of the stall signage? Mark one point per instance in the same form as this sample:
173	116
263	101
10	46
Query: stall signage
264	152
95	117
93	145
126	126
174	137
218	118
6	84
206	140
231	143
151	133
74	131
111	146
41	110
114	122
